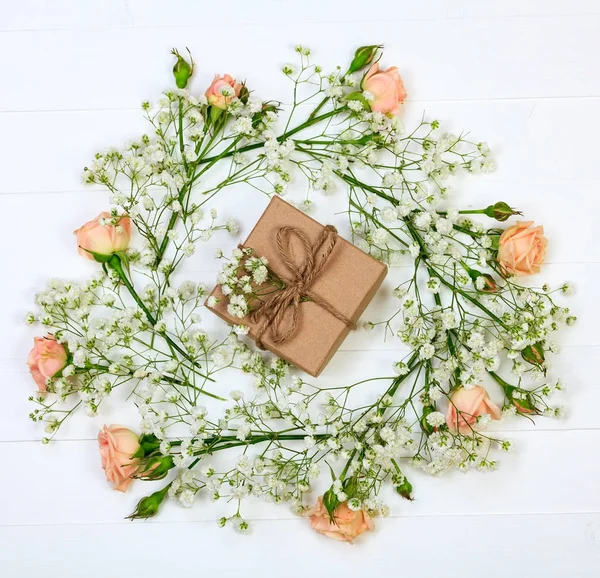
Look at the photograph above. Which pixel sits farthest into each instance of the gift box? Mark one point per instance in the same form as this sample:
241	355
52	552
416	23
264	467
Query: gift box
328	284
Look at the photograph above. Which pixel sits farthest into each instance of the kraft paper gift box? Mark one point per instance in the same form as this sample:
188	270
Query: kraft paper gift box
347	281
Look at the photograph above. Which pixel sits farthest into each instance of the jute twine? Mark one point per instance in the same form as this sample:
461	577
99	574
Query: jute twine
270	315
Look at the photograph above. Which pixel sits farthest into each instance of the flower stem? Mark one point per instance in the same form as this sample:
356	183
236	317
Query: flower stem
318	108
115	264
353	181
507	387
267	437
415	235
281	138
381	410
229	151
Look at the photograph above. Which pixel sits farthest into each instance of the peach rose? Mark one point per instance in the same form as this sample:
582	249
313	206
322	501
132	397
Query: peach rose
103	237
521	249
386	88
117	446
466	405
46	359
348	524
222	90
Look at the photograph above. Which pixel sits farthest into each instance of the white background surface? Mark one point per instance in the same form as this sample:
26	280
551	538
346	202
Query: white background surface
521	74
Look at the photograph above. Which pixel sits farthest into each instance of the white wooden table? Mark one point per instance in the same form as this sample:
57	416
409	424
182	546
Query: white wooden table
521	74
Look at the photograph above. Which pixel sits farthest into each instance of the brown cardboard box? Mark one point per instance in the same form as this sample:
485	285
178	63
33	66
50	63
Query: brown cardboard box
348	281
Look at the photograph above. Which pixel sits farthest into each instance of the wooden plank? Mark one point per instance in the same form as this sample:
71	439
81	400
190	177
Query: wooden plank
549	472
526	137
575	366
120	67
519	546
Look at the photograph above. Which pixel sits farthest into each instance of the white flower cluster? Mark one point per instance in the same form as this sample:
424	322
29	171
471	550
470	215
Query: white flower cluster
277	156
241	280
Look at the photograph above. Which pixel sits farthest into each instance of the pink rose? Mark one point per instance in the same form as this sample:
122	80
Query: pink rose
117	446
222	90
347	526
105	235
46	359
386	88
466	405
521	249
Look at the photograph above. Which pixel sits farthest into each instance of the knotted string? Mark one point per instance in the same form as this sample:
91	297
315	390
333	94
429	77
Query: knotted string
269	316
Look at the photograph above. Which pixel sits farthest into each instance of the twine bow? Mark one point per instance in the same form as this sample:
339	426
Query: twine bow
270	314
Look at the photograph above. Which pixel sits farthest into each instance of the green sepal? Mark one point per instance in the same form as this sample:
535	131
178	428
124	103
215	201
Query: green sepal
149	443
494	235
215	114
98	257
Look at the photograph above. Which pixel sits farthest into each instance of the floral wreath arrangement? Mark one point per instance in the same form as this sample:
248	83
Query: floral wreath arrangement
461	313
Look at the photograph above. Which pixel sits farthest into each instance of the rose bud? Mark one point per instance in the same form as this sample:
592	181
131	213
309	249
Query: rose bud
344	525
148	507
500	211
521	249
534	354
117	445
425	425
156	468
405	490
350	486
182	70
487	284
222	91
257	117
524	405
385	88
244	94
483	282
47	358
363	56
330	501
466	405
101	238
